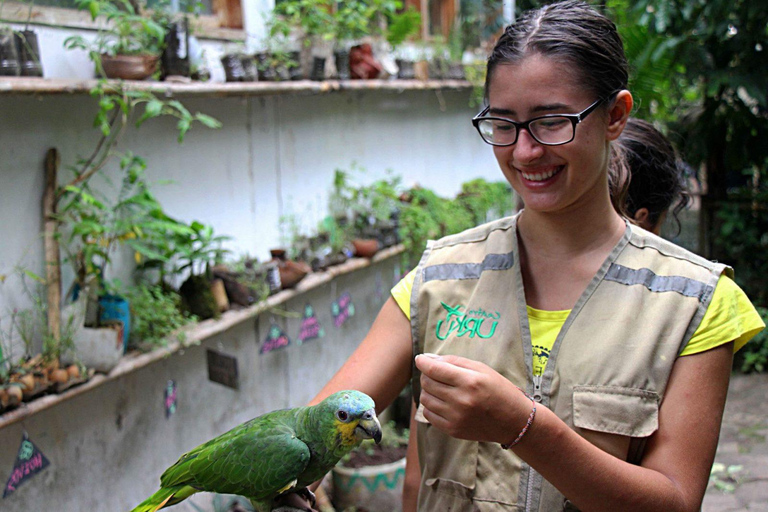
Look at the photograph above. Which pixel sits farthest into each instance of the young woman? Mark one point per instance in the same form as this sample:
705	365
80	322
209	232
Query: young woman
658	181
564	360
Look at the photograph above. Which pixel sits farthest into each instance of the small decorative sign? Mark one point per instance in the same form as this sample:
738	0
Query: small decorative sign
342	309
310	326
170	398
276	339
29	461
222	369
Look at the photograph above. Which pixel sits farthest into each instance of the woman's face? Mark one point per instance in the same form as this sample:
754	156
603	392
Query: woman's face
551	178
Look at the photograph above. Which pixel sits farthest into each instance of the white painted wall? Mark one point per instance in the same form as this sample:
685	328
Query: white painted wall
273	156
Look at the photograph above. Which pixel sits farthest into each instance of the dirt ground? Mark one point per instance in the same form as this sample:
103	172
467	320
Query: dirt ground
739	480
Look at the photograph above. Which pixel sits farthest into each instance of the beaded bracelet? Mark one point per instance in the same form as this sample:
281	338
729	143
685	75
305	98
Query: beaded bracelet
527	424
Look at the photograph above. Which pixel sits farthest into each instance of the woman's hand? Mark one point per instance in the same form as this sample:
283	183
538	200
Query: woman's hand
469	400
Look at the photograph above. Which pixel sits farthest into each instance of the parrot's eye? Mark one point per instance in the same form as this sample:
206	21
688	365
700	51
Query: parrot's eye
342	415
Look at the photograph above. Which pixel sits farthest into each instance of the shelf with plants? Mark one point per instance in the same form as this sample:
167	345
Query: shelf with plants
196	333
37	87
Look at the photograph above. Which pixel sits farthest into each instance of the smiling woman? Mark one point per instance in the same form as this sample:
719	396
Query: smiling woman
579	396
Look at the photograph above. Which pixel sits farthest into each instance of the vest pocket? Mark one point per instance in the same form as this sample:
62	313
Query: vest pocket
451	464
630	412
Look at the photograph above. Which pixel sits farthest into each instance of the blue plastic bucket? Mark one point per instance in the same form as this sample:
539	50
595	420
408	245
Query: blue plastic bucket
115	307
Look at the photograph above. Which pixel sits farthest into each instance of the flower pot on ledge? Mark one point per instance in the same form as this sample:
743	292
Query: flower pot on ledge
129	67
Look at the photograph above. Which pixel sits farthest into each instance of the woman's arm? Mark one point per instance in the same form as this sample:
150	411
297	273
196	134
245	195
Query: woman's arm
412	480
469	400
381	365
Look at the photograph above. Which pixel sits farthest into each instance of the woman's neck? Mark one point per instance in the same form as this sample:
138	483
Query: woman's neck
570	233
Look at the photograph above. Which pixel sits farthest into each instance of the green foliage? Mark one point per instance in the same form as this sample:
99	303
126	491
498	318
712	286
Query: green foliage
754	356
402	26
427	216
155	316
130	29
743	242
197	249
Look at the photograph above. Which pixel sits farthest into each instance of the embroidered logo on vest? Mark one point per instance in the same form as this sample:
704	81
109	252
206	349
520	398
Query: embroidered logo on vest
469	323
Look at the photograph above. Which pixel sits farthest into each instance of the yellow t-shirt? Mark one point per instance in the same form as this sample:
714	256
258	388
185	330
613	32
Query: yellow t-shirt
729	317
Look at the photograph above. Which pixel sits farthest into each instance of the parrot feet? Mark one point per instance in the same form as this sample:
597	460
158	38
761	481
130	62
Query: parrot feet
302	500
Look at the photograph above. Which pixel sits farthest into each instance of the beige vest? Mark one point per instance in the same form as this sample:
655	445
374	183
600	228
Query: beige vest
606	373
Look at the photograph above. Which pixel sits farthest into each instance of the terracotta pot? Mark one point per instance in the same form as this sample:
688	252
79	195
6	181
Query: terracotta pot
129	67
291	272
365	248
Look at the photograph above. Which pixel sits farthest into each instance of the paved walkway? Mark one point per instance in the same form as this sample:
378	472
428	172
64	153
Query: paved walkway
739	479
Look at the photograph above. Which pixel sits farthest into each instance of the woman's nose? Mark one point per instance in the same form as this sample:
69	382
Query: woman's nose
527	149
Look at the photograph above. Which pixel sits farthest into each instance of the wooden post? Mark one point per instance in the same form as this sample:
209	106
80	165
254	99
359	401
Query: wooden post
51	241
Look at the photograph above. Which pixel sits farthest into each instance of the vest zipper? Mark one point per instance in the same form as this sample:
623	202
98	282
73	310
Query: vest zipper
537	388
531	471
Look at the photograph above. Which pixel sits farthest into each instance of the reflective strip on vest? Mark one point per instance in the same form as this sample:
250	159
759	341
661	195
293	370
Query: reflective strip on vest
656	283
446	271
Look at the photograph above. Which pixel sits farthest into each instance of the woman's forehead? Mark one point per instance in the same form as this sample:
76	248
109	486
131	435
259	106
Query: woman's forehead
536	83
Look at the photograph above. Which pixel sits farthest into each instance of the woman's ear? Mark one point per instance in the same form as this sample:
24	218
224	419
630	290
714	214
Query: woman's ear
619	113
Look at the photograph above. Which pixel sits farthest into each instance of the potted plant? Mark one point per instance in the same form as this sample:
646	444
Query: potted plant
19	50
372	476
310	22
130	45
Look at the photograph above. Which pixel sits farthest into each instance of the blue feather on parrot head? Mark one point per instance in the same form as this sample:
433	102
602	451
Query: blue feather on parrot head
353	415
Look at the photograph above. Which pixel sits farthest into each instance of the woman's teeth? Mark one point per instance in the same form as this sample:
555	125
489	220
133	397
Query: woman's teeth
540	176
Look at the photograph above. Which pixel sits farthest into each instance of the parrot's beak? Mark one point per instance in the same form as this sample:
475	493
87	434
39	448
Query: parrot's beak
369	427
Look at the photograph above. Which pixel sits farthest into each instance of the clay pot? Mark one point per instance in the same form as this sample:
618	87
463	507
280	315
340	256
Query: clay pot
365	248
129	67
362	63
220	294
291	272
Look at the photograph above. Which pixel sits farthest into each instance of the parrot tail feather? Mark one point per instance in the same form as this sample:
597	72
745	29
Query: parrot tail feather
166	496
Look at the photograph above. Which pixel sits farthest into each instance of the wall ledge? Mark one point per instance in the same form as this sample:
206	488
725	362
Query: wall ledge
58	86
196	334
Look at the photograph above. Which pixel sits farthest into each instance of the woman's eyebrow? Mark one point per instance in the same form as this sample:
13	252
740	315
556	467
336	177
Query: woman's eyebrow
549	107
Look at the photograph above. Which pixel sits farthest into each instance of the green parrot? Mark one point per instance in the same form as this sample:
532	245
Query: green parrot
276	453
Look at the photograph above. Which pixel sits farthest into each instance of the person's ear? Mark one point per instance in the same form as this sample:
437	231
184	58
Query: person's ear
619	114
641	218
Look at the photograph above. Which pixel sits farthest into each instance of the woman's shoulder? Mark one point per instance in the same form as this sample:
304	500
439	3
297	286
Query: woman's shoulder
476	234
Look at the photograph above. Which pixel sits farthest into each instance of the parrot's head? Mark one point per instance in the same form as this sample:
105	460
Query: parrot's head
352	417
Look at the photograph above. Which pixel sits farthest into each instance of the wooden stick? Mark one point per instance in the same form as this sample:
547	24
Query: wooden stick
51	241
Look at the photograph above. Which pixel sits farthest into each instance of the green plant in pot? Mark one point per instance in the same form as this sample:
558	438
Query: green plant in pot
198	252
129	44
312	23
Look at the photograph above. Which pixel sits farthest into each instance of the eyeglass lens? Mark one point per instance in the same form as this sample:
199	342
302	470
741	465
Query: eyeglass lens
547	130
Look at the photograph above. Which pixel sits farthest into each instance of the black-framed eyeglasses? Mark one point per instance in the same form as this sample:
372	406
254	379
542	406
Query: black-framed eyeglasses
549	129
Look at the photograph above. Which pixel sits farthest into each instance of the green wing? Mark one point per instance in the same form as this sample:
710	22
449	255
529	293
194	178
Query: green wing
257	459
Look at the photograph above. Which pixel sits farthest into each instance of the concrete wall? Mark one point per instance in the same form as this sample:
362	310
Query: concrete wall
108	447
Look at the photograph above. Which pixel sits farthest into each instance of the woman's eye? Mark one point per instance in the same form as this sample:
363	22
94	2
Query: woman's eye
503	127
552	124
342	415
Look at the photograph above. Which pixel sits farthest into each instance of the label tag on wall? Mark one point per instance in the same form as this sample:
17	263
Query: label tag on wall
222	369
29	461
170	398
275	339
342	309
310	326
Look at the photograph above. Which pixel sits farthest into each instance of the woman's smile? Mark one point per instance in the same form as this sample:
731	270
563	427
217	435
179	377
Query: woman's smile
541	175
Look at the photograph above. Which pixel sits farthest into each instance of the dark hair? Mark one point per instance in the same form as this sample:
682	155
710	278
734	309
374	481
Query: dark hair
657	173
587	43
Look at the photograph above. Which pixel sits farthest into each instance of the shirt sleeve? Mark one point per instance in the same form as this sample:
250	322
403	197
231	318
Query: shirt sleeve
729	317
401	292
